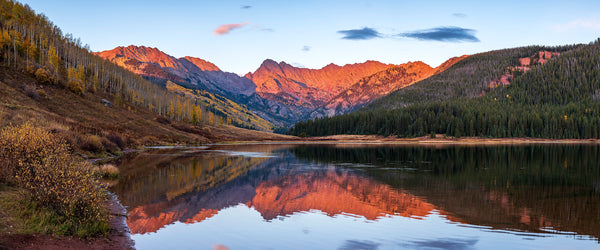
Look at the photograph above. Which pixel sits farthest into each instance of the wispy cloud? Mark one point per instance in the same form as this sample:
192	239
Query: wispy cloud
246	7
459	15
443	34
306	48
360	34
226	28
589	24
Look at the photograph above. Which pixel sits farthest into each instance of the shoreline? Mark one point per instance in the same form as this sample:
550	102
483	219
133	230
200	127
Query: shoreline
119	233
425	140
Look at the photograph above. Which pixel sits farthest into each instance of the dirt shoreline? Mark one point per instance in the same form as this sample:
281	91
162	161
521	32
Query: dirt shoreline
118	238
425	140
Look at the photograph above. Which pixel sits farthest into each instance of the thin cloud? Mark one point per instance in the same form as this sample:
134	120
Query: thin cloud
226	28
443	34
306	48
589	24
459	15
360	34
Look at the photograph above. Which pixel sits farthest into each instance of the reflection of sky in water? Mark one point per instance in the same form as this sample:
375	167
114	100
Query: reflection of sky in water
245	154
241	227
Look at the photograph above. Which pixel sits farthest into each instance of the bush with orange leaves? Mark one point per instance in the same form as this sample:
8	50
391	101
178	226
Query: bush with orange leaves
37	161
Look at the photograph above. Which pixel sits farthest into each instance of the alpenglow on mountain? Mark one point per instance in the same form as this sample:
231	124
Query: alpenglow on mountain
278	92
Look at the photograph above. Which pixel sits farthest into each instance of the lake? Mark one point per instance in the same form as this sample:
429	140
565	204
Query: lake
352	196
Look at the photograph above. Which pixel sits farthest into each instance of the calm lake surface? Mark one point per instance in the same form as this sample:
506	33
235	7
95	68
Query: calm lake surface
350	196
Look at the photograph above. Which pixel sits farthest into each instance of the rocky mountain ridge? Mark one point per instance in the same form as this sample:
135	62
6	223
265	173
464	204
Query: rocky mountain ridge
278	92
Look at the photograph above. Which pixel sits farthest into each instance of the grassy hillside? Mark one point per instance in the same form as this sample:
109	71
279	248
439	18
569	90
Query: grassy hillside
557	99
78	119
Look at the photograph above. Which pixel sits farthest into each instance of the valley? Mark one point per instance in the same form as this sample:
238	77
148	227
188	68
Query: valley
154	129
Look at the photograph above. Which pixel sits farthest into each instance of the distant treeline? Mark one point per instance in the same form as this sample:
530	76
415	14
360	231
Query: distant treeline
556	100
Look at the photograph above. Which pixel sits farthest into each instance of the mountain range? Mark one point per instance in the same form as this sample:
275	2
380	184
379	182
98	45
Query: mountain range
534	91
278	92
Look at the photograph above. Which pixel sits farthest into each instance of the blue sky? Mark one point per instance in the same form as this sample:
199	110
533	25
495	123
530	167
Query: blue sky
313	34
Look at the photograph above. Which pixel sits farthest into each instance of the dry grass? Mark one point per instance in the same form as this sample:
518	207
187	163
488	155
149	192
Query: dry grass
92	143
108	171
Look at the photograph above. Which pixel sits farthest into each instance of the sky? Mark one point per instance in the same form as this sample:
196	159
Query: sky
238	35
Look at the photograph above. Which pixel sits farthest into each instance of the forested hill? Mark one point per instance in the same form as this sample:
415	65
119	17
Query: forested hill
470	77
31	43
548	98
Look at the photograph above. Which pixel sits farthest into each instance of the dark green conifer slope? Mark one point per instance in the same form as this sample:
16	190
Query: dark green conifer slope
558	99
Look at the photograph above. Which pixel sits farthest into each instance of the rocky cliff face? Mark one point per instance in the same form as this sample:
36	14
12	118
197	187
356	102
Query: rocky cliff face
525	64
308	87
187	70
372	87
378	85
279	92
192	72
201	64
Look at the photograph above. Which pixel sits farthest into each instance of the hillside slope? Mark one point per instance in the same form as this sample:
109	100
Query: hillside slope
79	119
546	92
471	77
218	90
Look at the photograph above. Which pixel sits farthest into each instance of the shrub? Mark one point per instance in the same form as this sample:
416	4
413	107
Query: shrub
43	76
92	143
41	164
116	139
76	86
109	146
23	146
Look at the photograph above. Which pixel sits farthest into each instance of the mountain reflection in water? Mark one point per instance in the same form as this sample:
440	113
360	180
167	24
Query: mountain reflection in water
535	189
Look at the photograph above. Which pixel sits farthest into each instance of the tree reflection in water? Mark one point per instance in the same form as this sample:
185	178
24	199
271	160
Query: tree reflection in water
524	188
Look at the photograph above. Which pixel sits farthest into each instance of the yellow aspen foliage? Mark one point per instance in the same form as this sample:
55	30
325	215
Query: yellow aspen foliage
171	111
74	82
199	113
4	39
196	115
81	73
43	76
178	109
53	58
